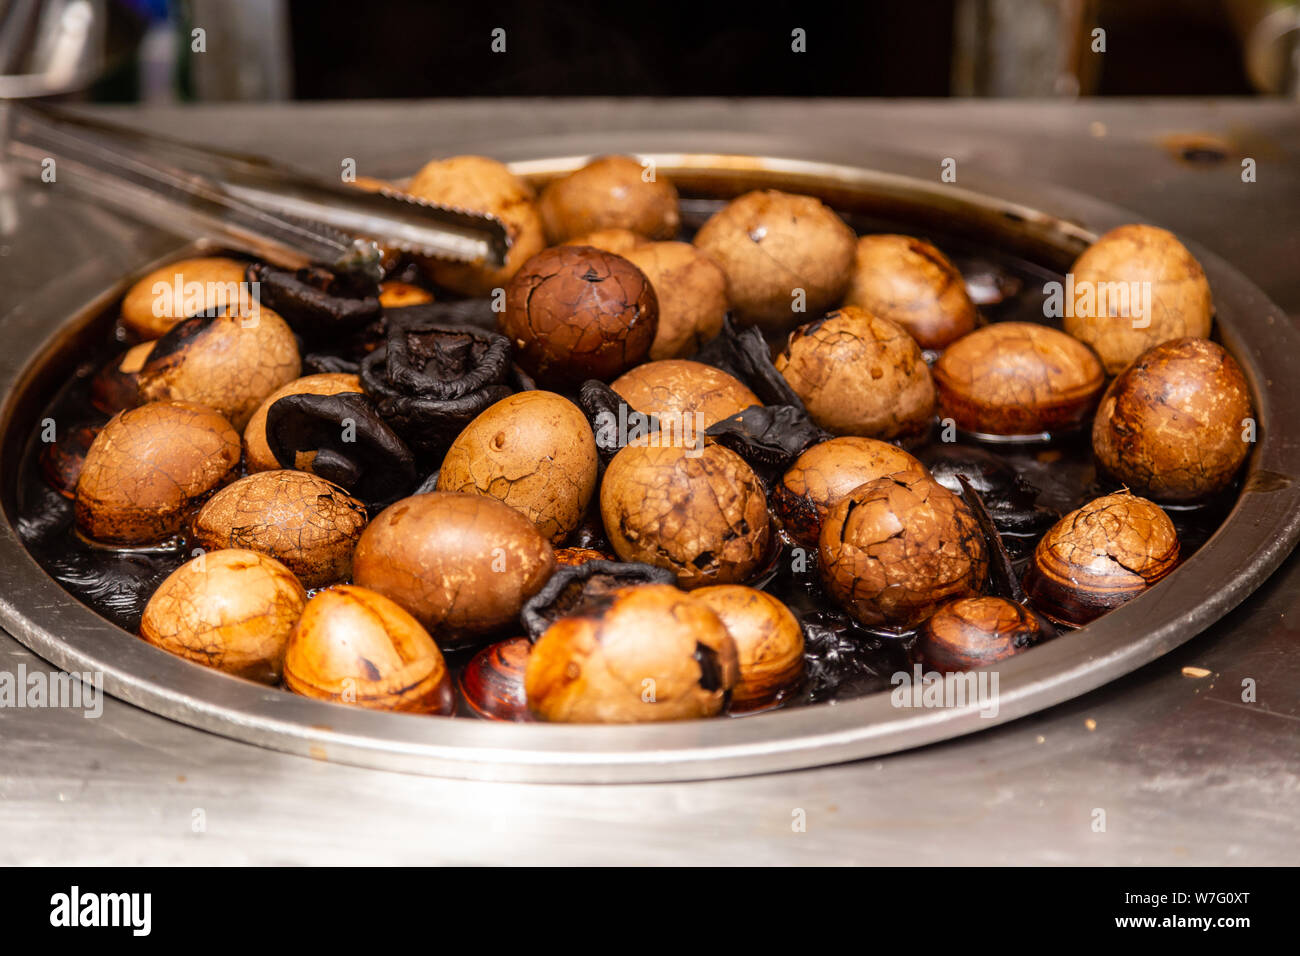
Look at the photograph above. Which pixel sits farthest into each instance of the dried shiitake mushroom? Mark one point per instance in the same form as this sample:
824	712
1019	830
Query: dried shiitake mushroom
651	653
909	281
678	388
772	246
149	468
180	290
462	564
898	547
354	646
612	192
229	362
701	514
1018	378
1100	556
974	631
859	375
534	451
577	312
1116	268
306	523
1173	425
769	643
230	609
257	452
479	184
116	386
825	474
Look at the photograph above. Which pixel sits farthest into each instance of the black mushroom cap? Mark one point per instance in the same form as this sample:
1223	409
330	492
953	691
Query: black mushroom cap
743	353
354	447
316	302
768	436
584	588
601	404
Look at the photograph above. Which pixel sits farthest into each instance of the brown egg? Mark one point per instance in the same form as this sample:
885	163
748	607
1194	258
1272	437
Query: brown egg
859	375
306	523
770	245
257	452
692	294
575	313
462	564
227	362
898	547
353	646
909	281
825	474
116	386
702	515
179	290
1018	379
149	468
62	459
612	192
479	184
1119	267
532	450
1099	557
977	631
769	643
652	654
677	388
397	295
618	241
1173	425
231	610
492	683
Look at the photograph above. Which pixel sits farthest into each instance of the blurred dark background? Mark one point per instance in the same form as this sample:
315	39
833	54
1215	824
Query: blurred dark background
348	49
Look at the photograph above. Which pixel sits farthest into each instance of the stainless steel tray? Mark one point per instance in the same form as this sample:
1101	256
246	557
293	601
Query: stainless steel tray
1258	533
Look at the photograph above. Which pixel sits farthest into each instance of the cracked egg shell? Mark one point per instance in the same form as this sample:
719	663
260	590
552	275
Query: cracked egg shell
769	643
1018	378
149	468
228	362
859	374
700	514
976	631
898	547
651	653
909	281
479	184
1171	425
354	646
151	307
1099	557
609	193
462	564
768	244
306	523
576	312
677	388
231	610
1181	306
532	450
257	450
826	473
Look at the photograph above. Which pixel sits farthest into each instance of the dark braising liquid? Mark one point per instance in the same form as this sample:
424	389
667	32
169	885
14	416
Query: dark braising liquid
844	660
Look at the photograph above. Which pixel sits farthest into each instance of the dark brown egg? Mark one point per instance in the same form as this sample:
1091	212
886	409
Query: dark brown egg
898	547
306	523
1099	557
150	468
974	631
652	653
116	387
257	450
785	256
681	390
63	458
462	564
354	646
825	474
231	610
612	192
909	281
1177	424
1018	379
702	515
859	375
769	643
492	683
179	290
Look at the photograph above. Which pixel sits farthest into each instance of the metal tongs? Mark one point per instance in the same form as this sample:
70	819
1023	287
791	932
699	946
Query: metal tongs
247	202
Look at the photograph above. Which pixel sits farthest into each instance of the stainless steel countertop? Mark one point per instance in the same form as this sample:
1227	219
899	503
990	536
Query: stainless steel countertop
1184	770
